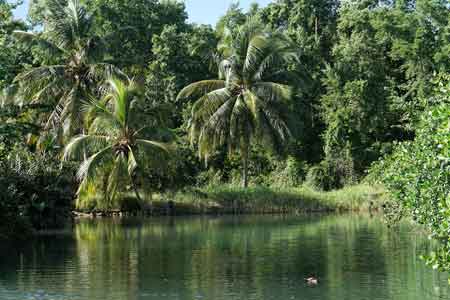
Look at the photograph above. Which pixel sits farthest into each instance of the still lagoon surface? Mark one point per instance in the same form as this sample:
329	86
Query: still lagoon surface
355	257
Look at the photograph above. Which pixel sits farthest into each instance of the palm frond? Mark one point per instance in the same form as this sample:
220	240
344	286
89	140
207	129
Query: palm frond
99	118
32	39
87	169
55	118
213	133
40	73
272	127
272	91
281	51
72	111
154	145
242	123
207	105
105	125
200	88
245	34
103	71
117	175
67	24
258	49
122	94
132	163
81	144
251	101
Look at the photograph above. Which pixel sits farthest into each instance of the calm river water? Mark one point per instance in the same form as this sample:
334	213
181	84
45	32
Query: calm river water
224	258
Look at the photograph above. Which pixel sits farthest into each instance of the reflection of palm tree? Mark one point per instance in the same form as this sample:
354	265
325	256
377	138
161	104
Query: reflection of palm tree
114	141
74	64
242	105
95	261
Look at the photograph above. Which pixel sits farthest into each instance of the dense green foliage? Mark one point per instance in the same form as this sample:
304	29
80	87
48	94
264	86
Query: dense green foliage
35	191
375	79
73	66
417	174
332	86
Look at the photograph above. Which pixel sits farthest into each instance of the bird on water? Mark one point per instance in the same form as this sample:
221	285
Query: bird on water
312	280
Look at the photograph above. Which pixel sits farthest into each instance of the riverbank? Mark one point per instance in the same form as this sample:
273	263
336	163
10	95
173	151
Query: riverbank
258	200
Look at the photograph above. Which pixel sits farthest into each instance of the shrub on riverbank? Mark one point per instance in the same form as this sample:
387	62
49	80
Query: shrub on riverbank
36	194
417	176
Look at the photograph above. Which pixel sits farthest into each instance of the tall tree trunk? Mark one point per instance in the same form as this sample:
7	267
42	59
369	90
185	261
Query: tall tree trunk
85	156
316	29
136	192
245	168
138	196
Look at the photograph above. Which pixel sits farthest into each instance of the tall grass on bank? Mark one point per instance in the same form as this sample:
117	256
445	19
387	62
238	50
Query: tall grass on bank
229	199
263	200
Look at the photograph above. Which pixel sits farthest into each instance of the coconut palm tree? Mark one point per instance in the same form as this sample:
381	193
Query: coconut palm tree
74	64
244	104
116	144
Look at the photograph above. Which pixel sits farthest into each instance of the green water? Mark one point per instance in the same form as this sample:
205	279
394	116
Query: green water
251	258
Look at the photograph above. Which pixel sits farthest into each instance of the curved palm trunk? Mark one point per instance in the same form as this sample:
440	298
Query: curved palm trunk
138	196
76	126
245	168
136	191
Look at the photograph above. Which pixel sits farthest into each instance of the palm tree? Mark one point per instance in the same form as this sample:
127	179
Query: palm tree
115	143
74	64
244	104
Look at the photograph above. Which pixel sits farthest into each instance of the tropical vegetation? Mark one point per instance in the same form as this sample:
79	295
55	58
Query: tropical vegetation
243	104
115	146
73	65
417	174
292	97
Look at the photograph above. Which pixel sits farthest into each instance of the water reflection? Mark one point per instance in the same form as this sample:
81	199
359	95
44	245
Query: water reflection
355	257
